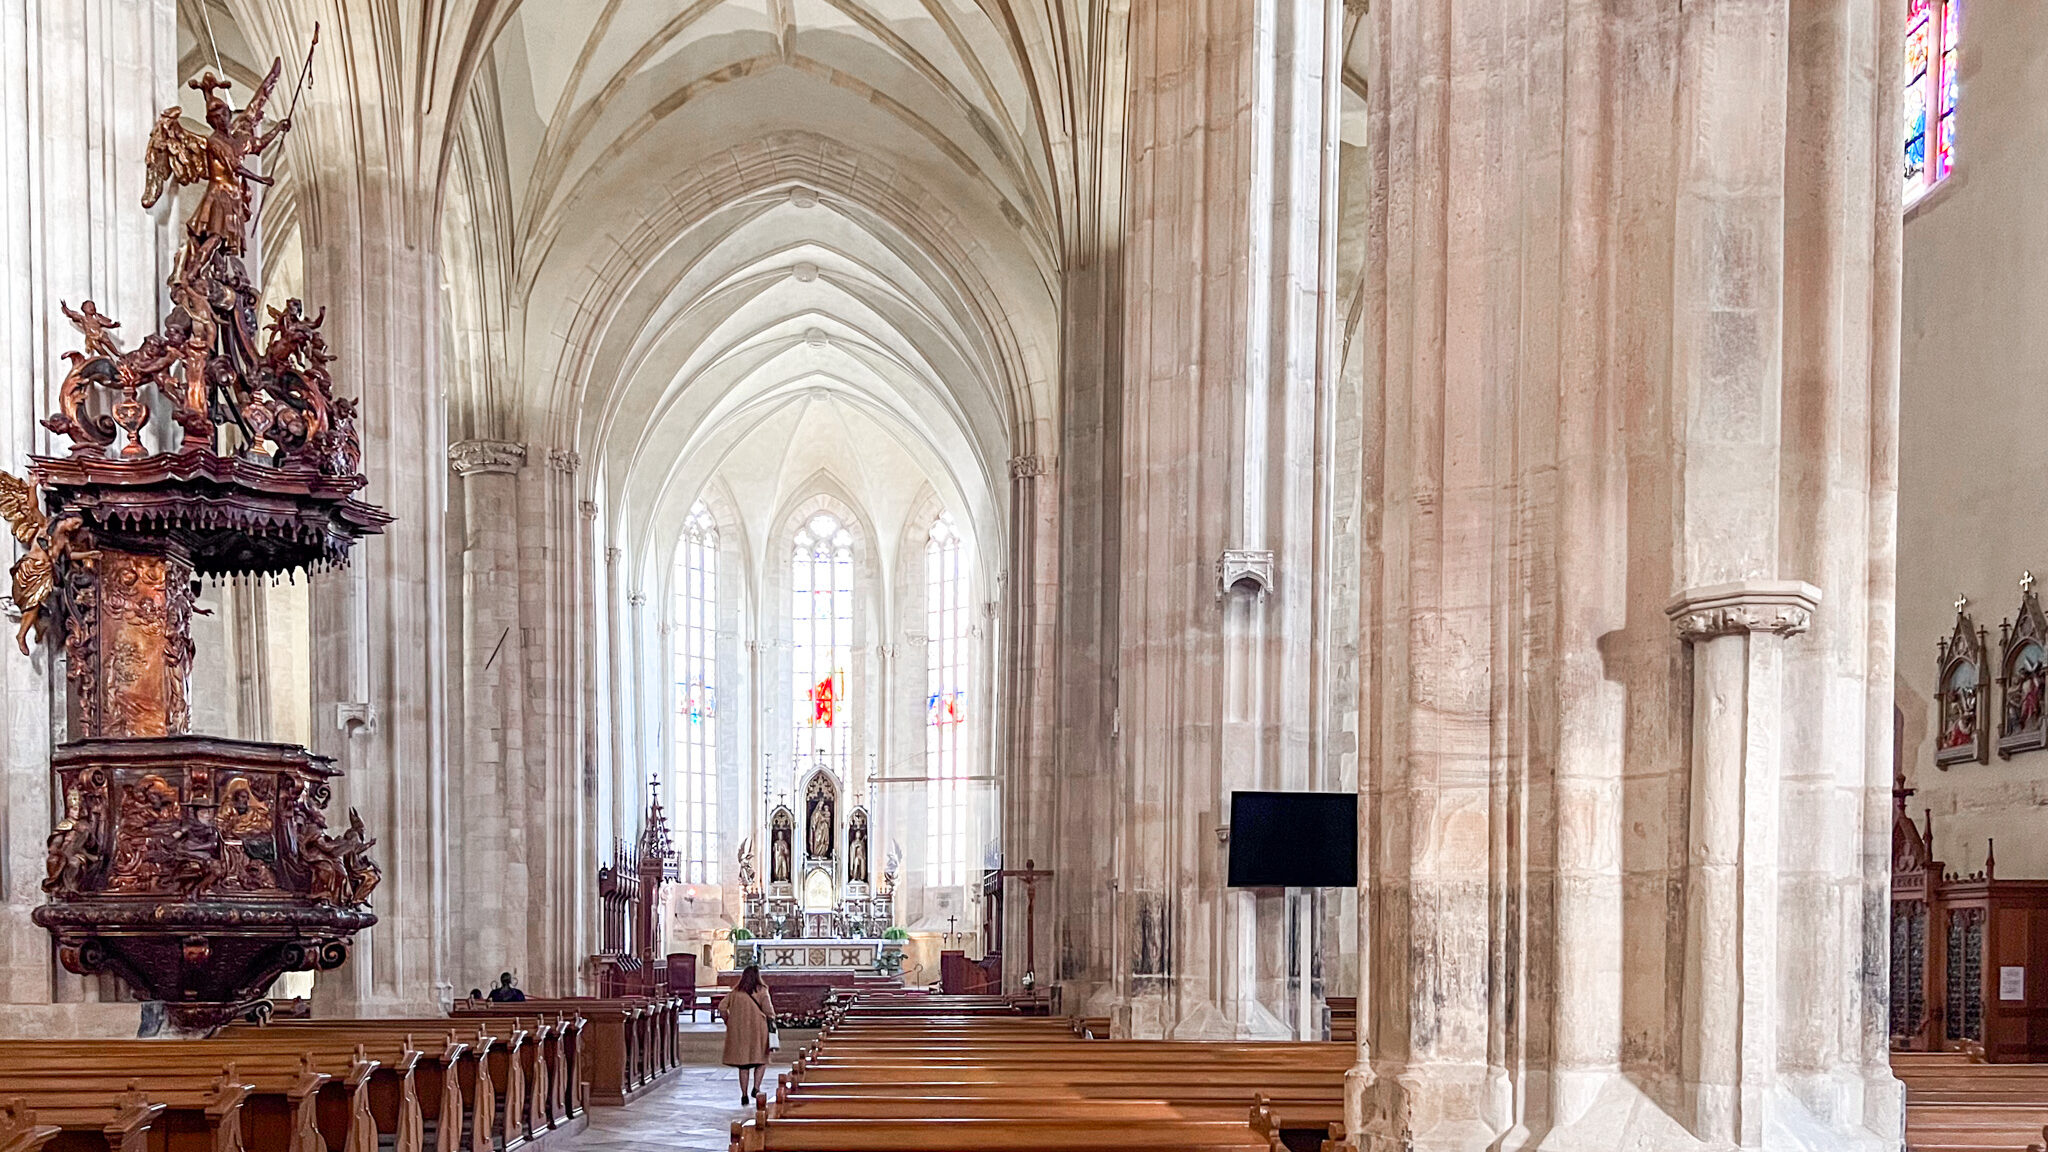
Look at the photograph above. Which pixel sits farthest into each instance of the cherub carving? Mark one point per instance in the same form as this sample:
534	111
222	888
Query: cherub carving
354	850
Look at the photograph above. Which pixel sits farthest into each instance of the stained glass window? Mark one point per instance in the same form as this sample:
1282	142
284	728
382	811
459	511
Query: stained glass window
693	632
821	644
1930	93
946	703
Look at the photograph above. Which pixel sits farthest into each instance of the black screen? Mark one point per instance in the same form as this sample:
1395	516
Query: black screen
1293	839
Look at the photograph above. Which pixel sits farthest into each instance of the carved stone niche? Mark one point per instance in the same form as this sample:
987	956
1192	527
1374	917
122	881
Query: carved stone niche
1245	570
2023	676
1962	694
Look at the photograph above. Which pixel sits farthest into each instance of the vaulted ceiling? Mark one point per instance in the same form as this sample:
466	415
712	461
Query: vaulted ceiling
669	225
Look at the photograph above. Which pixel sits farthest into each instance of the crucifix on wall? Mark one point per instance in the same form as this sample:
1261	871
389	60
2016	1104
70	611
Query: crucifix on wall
1030	874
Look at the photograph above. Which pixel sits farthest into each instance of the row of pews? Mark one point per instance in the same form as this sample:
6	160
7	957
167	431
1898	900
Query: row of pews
1957	1103
917	1072
497	1078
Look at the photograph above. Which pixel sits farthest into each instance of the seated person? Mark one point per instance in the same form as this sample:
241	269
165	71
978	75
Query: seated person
505	992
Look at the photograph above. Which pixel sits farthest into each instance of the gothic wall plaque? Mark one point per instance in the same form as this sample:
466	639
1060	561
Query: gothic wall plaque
2023	676
1963	694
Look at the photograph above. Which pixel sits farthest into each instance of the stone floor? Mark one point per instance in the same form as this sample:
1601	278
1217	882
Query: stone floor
692	1109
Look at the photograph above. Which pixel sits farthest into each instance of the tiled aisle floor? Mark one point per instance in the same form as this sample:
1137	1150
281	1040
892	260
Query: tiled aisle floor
692	1110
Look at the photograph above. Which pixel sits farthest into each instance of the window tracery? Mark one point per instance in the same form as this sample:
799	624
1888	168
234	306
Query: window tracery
946	701
821	645
694	635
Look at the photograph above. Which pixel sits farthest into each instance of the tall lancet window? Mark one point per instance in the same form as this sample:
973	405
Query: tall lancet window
821	645
946	704
1931	59
693	631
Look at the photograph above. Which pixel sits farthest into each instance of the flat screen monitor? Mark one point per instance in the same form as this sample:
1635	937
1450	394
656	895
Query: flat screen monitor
1293	839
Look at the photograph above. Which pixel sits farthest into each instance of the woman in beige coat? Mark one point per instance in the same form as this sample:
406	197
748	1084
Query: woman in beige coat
749	1017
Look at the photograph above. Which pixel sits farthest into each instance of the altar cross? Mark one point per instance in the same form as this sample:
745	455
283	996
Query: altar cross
950	933
1030	874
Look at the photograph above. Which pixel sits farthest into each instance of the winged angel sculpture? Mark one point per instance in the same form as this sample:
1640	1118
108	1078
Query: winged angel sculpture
50	548
216	363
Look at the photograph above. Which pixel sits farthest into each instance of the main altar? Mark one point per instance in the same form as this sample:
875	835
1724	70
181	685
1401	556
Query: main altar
821	907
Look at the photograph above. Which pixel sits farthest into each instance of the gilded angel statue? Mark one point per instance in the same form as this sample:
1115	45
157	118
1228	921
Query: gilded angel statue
179	155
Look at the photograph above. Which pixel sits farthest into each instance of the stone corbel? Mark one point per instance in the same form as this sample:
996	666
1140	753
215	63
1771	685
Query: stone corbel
588	508
353	716
564	460
1245	569
1779	607
1025	467
470	457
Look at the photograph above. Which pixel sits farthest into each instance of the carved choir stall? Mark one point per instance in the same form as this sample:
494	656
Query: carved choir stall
629	891
196	868
1969	953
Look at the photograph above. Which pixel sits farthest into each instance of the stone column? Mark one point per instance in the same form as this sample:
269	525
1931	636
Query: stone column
1618	358
364	147
86	79
1027	677
1229	213
489	797
1737	632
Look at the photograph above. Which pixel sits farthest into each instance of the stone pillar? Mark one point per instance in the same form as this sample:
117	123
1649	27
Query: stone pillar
1229	214
489	799
553	590
87	77
1027	677
1737	633
1613	359
364	149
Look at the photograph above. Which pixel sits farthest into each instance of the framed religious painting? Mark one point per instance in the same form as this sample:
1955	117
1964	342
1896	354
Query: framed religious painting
2023	676
1962	694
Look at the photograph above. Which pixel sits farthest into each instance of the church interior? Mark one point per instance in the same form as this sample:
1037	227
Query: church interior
1334	575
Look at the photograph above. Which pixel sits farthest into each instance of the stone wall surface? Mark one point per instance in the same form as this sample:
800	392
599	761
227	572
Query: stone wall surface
1971	359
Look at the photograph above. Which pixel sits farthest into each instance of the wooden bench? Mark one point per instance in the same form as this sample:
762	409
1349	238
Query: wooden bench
522	1075
166	1096
625	1046
983	1076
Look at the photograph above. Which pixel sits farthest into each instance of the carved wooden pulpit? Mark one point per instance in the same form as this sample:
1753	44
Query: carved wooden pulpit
197	868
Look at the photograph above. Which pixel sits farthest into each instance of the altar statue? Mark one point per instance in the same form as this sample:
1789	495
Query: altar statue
857	846
819	802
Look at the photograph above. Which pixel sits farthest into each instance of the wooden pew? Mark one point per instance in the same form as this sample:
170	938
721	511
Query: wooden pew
163	1095
449	1073
622	1047
980	1075
519	1074
20	1130
1955	1103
